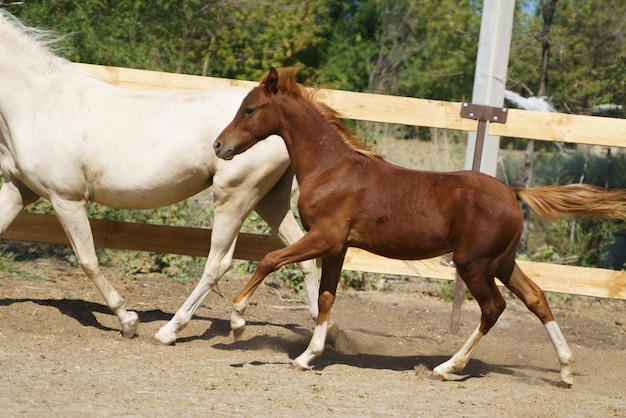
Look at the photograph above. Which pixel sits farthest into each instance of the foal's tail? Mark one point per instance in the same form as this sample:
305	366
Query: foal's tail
575	200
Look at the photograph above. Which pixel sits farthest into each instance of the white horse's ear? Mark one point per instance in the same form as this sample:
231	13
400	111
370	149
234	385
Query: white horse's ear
271	81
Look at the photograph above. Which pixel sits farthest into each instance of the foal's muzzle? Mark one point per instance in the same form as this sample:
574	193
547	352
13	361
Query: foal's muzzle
221	151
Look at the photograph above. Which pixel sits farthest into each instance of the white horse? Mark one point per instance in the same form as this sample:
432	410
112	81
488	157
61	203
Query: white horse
71	138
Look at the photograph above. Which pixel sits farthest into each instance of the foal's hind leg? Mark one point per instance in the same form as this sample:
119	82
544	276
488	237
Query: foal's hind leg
74	220
534	298
481	285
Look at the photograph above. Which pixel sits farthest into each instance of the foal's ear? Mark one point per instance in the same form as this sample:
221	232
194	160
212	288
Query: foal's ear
271	81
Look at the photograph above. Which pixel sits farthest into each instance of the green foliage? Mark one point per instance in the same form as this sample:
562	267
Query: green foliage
22	275
219	38
191	213
409	48
7	262
588	53
586	239
419	49
545	253
447	290
358	280
612	86
13	270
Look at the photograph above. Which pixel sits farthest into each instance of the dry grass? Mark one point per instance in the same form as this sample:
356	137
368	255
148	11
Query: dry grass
445	153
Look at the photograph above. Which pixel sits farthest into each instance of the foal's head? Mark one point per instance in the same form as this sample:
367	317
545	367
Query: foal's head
258	117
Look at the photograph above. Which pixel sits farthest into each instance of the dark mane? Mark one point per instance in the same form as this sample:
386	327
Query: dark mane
288	84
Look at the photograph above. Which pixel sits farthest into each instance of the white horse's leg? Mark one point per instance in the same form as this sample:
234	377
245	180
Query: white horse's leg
234	200
460	359
74	220
13	197
275	209
231	209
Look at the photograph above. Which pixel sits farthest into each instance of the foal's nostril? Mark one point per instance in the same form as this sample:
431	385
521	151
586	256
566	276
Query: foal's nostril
217	145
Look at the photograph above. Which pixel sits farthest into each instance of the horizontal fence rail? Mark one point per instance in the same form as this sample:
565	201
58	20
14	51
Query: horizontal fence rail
379	108
591	130
194	242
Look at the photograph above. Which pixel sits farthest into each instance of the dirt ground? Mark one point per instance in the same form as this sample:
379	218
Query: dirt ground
61	354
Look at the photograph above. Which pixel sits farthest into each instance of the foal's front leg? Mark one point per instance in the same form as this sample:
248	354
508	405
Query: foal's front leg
331	272
310	246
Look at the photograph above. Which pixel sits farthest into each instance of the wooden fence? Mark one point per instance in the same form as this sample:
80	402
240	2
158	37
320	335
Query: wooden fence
379	108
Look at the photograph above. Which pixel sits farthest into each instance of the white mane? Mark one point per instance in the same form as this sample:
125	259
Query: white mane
28	45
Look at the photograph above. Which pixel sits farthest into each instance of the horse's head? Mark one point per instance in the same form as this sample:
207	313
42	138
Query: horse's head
255	120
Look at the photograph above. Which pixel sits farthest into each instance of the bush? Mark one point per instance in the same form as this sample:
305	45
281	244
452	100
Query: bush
588	240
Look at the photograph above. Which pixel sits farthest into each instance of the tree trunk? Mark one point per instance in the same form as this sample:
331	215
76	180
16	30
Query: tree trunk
207	57
548	13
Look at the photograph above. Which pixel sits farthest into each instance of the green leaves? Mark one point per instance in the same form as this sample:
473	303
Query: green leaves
423	48
588	51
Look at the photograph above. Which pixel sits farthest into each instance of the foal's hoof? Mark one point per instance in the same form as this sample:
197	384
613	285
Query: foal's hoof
437	376
299	367
129	325
238	333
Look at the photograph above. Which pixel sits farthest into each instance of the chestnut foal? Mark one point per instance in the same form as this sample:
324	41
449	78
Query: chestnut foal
351	197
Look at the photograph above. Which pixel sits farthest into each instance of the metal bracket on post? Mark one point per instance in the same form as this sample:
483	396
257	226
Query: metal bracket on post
482	114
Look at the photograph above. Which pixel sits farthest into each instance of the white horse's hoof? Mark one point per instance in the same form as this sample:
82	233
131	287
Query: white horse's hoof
163	338
565	379
130	324
565	385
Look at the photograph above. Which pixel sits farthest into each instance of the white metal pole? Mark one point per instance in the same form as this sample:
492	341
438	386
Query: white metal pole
494	44
491	70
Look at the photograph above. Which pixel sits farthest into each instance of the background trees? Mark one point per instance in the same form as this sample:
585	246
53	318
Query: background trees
588	52
423	48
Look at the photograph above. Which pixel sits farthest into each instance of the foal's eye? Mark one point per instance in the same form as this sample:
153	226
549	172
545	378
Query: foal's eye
248	111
